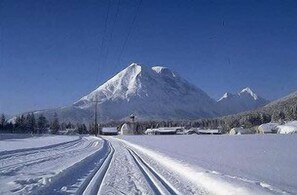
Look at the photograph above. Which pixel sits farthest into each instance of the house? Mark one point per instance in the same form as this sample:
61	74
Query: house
268	128
240	131
109	131
208	131
129	128
164	131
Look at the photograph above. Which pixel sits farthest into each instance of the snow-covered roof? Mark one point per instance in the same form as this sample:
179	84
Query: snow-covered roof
109	130
267	127
163	130
208	131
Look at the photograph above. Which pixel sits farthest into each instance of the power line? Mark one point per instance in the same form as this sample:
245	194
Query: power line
103	38
112	30
130	30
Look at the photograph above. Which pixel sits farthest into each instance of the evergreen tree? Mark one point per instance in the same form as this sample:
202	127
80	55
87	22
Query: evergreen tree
295	112
69	125
63	126
30	123
41	123
275	116
81	128
85	130
90	128
55	125
281	117
2	122
9	127
20	124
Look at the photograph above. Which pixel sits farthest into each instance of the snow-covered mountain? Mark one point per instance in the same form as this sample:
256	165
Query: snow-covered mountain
245	100
149	93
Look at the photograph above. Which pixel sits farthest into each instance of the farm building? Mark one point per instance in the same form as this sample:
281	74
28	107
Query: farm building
268	128
109	131
164	131
208	131
128	128
240	131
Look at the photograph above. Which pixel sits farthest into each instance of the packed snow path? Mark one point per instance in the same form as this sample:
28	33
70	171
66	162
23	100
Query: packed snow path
108	165
34	168
81	165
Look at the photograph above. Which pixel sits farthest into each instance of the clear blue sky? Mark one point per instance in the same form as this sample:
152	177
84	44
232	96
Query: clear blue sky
50	50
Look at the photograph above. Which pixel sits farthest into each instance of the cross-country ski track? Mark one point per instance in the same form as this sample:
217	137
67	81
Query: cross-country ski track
106	165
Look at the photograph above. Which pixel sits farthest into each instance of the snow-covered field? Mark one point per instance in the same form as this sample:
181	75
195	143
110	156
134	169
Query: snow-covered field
256	161
13	142
148	164
29	164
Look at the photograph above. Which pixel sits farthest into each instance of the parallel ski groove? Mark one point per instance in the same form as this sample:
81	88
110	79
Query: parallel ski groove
28	151
147	171
93	183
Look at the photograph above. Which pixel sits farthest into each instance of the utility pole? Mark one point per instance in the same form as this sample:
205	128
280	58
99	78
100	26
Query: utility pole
96	115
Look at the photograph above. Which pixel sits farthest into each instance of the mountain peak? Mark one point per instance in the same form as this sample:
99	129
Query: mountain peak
250	92
163	71
134	65
225	96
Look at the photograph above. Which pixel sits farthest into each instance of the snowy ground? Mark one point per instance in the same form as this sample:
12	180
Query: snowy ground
13	142
259	161
32	163
148	165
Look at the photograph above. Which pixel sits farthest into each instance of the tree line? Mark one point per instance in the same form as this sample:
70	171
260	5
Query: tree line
37	125
29	123
248	120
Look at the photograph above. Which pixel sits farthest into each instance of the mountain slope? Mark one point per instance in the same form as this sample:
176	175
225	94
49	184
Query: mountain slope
149	93
282	103
243	101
